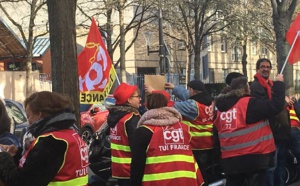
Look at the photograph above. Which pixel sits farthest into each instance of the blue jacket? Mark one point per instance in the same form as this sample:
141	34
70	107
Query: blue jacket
187	105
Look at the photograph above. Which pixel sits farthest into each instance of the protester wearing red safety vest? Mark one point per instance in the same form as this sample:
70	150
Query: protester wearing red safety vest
195	106
294	110
245	137
70	173
55	154
161	150
122	120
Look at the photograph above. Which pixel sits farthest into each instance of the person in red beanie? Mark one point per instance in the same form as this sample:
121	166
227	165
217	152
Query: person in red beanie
122	120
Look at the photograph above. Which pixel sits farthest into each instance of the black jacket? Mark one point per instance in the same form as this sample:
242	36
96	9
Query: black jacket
257	110
280	123
117	112
44	160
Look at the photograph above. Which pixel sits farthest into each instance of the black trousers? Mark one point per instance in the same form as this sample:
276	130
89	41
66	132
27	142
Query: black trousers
255	178
205	159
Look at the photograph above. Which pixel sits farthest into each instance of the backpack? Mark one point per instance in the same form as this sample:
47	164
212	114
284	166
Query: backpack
99	152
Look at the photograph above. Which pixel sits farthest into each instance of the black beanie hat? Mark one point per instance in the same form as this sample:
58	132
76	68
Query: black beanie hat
231	76
196	85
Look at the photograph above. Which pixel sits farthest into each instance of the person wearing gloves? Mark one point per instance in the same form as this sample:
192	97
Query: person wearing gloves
161	150
122	120
245	137
56	155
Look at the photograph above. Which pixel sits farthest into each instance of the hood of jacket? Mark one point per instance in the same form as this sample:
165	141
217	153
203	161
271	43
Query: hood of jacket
161	117
117	112
225	101
52	123
203	98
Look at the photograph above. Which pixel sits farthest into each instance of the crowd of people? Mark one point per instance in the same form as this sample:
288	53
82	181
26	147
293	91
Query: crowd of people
246	129
244	133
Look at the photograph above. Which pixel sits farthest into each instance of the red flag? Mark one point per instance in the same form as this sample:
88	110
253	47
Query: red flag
290	37
95	69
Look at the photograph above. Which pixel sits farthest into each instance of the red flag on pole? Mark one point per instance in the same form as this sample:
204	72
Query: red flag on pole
95	70
293	38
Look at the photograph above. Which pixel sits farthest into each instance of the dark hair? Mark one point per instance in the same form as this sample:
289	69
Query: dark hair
156	100
4	119
259	61
48	103
239	83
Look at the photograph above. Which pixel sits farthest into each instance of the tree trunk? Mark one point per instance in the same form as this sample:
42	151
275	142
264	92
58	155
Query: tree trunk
188	66
197	59
244	58
122	43
282	14
63	49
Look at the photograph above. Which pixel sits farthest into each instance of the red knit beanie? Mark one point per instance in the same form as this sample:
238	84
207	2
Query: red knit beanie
166	94
123	93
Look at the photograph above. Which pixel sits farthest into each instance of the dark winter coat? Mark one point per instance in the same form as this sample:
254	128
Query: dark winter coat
117	112
280	124
257	110
44	160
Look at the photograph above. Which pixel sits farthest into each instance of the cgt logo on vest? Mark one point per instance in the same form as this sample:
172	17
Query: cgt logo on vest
173	139
113	134
228	117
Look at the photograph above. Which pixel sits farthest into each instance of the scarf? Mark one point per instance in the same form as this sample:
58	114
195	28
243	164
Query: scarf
266	84
161	117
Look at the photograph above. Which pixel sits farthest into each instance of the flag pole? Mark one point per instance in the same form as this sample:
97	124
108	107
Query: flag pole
298	33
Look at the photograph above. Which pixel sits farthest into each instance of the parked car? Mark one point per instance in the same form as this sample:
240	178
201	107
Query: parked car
92	117
18	117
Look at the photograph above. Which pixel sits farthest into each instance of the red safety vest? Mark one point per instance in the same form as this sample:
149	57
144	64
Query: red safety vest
170	160
74	170
120	149
201	129
238	138
293	117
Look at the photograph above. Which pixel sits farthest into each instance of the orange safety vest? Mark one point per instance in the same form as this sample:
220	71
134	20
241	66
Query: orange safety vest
238	138
293	117
170	160
201	128
120	149
74	170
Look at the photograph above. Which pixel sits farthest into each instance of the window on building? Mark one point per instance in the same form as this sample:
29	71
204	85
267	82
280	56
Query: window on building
205	66
236	54
224	74
209	42
253	48
211	75
181	45
219	15
223	44
264	52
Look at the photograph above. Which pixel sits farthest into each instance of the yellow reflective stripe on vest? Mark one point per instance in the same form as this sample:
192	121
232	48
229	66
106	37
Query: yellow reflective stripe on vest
120	160
294	118
77	181
120	147
169	158
200	134
199	126
169	175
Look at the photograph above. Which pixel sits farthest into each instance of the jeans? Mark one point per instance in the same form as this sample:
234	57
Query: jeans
295	143
275	175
